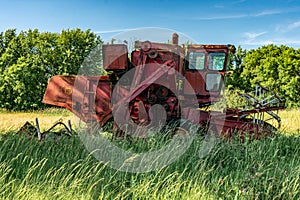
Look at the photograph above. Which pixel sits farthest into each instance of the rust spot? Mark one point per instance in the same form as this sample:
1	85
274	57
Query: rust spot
68	91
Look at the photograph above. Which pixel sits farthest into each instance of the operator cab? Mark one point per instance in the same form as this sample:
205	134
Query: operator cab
204	69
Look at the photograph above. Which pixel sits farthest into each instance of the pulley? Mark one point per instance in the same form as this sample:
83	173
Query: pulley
162	92
152	54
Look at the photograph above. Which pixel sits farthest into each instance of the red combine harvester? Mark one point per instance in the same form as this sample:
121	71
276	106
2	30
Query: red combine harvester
184	80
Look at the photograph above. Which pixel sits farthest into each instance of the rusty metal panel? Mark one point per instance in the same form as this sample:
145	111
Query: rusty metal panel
115	57
103	97
196	80
59	91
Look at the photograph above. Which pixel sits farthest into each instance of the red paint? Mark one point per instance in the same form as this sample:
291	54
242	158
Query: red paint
89	97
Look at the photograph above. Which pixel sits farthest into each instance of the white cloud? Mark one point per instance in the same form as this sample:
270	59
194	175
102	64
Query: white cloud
260	42
269	12
252	36
252	39
237	16
221	17
288	27
287	41
155	34
276	41
115	30
226	4
294	25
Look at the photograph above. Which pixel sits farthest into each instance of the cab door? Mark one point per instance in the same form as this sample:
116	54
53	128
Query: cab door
204	71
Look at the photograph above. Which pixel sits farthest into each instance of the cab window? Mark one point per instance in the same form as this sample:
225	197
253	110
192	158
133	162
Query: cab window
213	82
216	61
196	60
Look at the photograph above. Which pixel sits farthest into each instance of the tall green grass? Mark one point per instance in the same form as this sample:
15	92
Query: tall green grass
63	169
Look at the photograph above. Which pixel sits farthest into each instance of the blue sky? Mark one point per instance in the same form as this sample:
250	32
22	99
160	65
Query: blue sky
249	23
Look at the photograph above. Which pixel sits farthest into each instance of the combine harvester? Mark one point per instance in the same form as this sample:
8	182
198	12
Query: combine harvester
183	80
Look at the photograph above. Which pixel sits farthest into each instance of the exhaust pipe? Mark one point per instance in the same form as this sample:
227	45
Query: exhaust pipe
175	38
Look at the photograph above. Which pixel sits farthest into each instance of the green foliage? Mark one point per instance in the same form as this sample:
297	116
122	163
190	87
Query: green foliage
29	59
234	99
275	67
235	68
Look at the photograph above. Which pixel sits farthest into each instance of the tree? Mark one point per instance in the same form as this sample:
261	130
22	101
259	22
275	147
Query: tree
30	58
234	80
275	67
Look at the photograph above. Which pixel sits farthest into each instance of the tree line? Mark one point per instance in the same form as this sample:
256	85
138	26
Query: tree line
28	59
274	67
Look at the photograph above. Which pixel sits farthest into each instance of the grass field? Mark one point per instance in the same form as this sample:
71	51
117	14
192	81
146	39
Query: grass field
12	121
290	121
64	169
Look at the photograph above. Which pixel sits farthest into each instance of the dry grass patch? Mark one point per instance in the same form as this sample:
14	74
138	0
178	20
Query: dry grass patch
13	121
